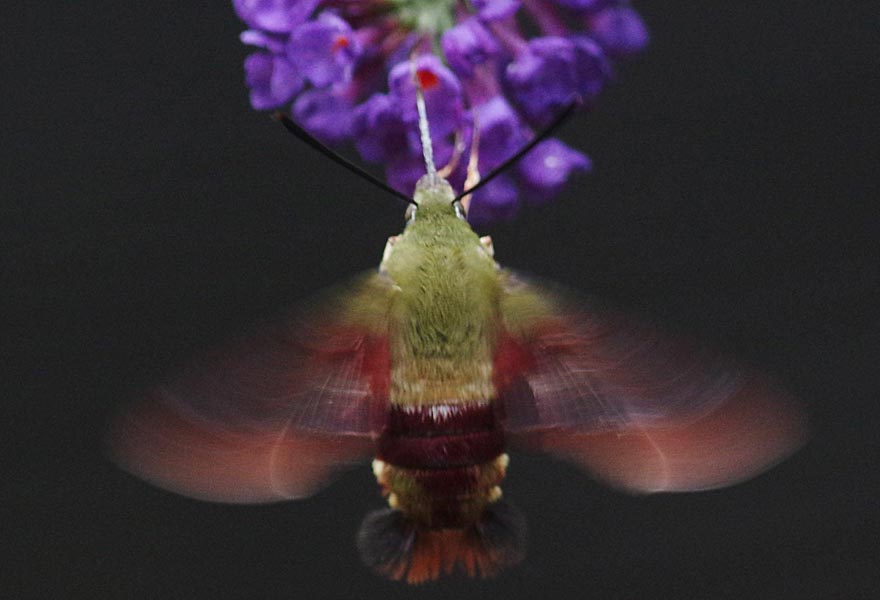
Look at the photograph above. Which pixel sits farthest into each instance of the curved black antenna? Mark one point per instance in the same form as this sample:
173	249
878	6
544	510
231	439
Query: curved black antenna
561	118
309	139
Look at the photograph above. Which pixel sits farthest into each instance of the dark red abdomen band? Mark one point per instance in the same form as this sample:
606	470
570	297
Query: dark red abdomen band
441	436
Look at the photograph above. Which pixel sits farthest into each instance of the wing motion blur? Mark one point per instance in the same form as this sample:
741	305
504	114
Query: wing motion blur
639	408
273	417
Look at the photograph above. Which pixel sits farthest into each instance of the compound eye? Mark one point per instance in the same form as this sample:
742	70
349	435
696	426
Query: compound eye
460	212
410	214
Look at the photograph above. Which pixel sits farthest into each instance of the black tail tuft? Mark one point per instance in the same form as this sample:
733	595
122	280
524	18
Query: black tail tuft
399	549
385	541
502	531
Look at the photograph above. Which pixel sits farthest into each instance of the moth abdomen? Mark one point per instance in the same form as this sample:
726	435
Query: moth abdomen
443	418
441	435
441	451
441	467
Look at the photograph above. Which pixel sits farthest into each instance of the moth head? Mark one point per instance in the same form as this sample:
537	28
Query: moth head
434	197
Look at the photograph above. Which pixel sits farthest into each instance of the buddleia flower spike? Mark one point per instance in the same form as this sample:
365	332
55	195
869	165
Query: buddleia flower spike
343	71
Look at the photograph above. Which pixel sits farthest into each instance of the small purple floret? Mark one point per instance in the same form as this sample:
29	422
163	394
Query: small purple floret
324	50
619	30
326	113
272	80
277	16
272	42
468	44
494	10
546	168
542	80
501	132
592	69
378	128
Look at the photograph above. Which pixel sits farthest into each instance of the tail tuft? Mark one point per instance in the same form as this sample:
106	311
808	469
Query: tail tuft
399	549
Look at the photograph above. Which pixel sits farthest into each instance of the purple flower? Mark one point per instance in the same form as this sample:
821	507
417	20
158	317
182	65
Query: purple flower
494	10
547	167
592	69
501	132
272	42
468	44
326	113
619	30
349	71
378	128
277	16
324	50
542	79
272	80
496	201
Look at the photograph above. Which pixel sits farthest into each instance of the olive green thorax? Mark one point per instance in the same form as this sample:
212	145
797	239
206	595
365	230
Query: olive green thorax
445	310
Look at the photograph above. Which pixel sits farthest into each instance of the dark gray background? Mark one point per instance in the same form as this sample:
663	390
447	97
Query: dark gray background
148	213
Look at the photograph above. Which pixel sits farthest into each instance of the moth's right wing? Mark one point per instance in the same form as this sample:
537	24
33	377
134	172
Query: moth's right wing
273	417
639	407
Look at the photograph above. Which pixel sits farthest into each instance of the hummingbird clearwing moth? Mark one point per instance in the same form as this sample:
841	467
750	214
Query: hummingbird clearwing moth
434	365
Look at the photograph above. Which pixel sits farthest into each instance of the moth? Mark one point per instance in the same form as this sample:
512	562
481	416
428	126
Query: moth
435	364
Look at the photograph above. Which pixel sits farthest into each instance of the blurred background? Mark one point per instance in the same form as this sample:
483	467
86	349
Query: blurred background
149	214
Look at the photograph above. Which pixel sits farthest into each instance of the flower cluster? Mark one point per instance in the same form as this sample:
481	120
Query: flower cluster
345	69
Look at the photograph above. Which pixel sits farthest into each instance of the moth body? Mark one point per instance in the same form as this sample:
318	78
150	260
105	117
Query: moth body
440	457
434	364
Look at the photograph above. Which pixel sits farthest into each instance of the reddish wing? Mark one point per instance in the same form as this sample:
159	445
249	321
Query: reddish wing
275	416
642	409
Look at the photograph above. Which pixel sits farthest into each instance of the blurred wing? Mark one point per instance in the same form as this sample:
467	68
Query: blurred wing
273	417
640	408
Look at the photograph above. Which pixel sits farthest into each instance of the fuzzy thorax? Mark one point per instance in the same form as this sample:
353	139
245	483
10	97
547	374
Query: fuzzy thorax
445	311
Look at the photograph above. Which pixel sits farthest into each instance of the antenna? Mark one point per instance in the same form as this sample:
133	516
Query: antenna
309	139
563	116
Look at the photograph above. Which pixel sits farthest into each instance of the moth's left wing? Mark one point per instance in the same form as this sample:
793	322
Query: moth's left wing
274	416
639	407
